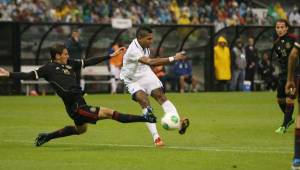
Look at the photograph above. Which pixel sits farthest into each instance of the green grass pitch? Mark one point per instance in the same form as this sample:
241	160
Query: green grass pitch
228	131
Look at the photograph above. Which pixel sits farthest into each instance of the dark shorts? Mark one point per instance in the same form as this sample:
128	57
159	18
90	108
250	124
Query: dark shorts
281	88
82	113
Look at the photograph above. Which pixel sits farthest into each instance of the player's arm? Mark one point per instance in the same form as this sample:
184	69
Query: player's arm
162	61
33	75
292	64
97	60
290	85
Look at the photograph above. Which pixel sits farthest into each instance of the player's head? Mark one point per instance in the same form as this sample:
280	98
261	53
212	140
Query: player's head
222	41
59	53
281	27
250	41
75	34
144	36
265	56
239	43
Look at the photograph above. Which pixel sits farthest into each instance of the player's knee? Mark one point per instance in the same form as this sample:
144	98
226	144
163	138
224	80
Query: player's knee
281	100
289	101
144	101
81	129
105	113
161	98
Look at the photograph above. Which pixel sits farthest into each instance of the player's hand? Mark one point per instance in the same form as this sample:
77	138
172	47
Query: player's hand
119	51
180	56
290	88
3	72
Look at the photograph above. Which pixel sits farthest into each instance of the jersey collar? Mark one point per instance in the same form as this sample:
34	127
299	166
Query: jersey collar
145	50
137	44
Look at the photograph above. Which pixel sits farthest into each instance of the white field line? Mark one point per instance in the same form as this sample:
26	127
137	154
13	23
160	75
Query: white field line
263	150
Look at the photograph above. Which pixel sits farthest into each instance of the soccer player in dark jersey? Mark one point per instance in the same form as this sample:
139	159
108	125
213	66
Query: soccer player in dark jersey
60	73
290	88
282	47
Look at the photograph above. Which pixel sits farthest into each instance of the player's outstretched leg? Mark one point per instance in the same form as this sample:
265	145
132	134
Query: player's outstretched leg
43	138
282	104
288	116
127	118
287	107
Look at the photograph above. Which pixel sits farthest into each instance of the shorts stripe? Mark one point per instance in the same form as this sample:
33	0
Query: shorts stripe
88	114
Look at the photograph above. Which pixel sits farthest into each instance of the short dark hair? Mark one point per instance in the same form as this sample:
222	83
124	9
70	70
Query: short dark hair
143	31
287	24
56	49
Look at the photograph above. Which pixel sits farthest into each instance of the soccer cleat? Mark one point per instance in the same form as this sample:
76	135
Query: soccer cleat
158	142
41	139
280	130
150	117
296	164
289	123
184	125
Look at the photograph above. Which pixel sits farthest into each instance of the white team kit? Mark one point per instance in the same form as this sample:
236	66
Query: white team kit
138	76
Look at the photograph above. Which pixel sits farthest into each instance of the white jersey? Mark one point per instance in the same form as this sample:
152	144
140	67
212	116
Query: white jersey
132	70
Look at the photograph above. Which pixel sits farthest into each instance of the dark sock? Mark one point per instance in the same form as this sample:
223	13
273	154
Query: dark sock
66	131
282	107
127	118
288	114
297	144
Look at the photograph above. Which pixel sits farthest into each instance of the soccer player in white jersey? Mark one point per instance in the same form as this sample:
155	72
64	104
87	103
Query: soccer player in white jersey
141	81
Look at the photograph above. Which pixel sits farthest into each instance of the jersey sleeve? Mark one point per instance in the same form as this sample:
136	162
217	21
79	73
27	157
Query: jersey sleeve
76	63
134	56
297	44
41	72
32	75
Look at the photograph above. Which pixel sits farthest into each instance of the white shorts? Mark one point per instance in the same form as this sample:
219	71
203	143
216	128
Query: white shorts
115	71
148	83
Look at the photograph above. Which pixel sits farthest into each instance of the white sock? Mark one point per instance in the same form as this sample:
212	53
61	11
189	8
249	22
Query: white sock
151	127
169	108
113	85
82	84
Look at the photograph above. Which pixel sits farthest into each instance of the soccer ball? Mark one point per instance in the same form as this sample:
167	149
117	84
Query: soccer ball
170	121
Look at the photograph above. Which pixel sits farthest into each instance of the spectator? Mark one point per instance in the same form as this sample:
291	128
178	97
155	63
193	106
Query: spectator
294	16
251	58
222	64
239	66
115	65
267	72
161	74
75	51
140	12
183	72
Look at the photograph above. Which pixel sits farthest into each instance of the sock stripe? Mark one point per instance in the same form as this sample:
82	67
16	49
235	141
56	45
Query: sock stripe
116	115
88	114
297	132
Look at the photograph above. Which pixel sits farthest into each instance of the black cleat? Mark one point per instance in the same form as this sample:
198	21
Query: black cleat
41	139
150	117
185	123
289	123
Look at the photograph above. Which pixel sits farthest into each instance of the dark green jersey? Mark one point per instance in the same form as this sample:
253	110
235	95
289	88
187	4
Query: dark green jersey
282	47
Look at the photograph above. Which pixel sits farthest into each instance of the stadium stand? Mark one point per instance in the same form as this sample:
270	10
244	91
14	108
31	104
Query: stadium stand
227	13
40	23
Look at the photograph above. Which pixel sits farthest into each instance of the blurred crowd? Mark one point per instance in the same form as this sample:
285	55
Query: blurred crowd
221	13
236	68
